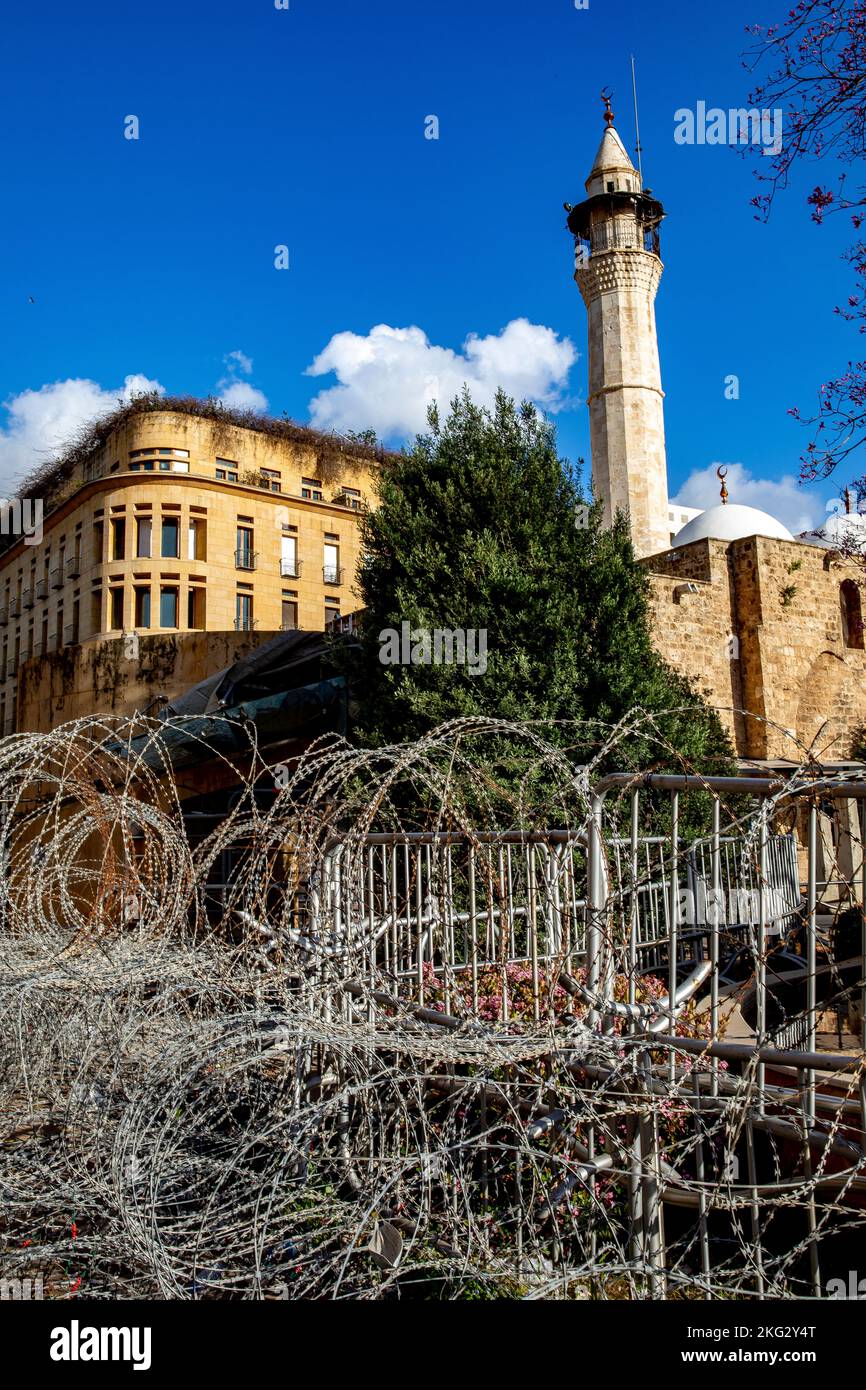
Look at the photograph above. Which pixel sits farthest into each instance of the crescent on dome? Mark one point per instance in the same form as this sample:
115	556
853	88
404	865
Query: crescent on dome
721	474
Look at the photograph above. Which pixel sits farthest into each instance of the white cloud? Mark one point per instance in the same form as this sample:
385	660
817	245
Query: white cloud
39	423
240	395
387	379
238	361
782	497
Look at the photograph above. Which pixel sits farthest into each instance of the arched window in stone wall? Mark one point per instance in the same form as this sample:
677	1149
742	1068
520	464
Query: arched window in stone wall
852	614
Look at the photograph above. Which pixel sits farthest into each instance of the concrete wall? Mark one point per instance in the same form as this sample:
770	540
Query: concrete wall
121	675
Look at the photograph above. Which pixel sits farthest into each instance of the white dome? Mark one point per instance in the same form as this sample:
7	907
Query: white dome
846	529
731	523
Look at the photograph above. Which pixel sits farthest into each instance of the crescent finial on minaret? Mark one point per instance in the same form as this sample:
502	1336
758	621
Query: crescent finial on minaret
608	114
723	492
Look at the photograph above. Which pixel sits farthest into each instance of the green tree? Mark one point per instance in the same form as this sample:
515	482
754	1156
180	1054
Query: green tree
482	526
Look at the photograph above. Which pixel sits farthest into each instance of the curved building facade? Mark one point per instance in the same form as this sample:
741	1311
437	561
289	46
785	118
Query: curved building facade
180	528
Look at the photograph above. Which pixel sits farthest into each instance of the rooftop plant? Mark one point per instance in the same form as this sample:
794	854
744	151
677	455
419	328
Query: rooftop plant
331	450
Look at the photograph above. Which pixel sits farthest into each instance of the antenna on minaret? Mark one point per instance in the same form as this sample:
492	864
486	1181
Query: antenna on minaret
637	147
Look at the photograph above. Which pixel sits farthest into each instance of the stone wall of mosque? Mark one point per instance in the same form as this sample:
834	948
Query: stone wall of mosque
772	628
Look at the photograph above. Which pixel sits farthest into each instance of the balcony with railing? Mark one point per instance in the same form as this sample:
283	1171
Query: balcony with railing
70	634
347	622
11	668
246	559
291	569
616	234
333	574
27	598
57	577
247	624
624	233
73	567
651	240
42	588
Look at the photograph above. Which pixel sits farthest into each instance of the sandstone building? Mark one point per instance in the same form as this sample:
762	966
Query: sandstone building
172	543
769	627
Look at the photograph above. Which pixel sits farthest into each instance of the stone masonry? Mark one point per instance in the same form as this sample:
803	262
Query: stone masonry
759	625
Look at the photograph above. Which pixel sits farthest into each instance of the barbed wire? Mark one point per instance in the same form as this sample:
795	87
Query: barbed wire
371	1061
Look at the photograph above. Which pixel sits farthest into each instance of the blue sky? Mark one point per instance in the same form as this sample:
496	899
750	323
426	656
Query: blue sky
305	127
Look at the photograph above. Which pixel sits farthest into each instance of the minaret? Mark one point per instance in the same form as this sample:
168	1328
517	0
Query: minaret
618	269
